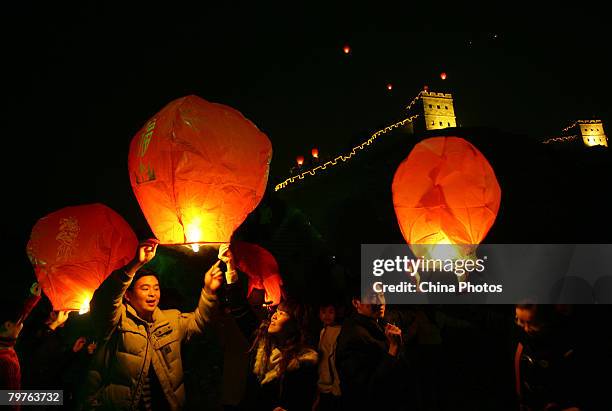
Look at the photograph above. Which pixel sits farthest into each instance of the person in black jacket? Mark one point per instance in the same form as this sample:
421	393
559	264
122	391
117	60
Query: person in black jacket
283	368
372	371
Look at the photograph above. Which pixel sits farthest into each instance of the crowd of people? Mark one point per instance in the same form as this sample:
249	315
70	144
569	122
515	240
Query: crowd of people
364	356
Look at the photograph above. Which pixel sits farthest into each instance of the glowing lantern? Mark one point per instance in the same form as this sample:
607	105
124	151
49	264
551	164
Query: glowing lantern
445	192
261	268
346	49
198	169
299	160
74	249
443	76
389	86
315	152
425	87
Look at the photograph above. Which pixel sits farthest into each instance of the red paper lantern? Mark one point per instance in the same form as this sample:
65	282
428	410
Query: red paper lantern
445	192
315	152
198	169
443	76
261	268
74	249
299	160
346	49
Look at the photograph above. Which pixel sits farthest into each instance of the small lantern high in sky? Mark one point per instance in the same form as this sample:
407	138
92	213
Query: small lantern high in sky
299	160
315	152
198	169
346	49
445	192
74	249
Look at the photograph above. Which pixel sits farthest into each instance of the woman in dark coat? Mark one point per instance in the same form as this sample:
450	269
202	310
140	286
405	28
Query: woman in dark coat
283	369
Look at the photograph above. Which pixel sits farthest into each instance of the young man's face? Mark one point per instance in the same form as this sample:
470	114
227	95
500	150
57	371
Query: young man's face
144	296
327	315
374	307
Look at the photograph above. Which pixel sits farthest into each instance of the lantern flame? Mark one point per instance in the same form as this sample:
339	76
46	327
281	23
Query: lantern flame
85	306
193	234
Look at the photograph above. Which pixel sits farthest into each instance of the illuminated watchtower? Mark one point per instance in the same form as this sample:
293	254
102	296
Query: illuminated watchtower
436	111
592	133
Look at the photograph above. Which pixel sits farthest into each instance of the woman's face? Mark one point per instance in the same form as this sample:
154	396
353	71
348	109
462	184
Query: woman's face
279	318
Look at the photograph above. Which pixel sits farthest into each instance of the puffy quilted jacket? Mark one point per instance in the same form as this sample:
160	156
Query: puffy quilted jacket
132	346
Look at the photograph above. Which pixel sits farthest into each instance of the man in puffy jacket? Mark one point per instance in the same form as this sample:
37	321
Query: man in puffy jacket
139	367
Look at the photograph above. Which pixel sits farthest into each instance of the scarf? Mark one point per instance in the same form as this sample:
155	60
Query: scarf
267	371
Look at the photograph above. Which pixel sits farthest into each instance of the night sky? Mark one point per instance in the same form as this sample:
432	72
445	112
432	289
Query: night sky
80	81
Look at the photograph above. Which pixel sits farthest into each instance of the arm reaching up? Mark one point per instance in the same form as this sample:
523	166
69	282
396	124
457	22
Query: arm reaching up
108	298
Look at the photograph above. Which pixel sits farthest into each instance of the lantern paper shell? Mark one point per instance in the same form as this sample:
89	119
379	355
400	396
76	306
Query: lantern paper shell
445	192
198	169
261	268
74	249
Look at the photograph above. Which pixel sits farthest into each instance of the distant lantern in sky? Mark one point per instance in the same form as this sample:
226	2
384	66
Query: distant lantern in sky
425	87
443	76
299	160
315	152
74	249
346	49
445	192
389	86
198	169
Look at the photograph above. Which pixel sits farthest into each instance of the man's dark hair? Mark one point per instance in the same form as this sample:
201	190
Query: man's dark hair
143	272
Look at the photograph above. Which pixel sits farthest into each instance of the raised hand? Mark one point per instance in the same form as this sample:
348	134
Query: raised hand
225	254
213	278
394	338
57	319
146	251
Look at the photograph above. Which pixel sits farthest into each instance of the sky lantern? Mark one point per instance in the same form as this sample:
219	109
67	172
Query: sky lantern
443	76
299	160
261	268
425	87
445	192
315	152
389	86
75	248
346	49
197	170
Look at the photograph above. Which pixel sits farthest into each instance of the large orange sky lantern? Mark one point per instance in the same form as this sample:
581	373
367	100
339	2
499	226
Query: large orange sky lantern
198	169
75	248
445	192
261	268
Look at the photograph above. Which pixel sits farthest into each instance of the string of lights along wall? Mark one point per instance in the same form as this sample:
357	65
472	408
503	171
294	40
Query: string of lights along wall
345	157
591	132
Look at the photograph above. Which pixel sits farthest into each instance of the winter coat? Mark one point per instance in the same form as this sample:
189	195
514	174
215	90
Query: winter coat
132	346
295	389
370	378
